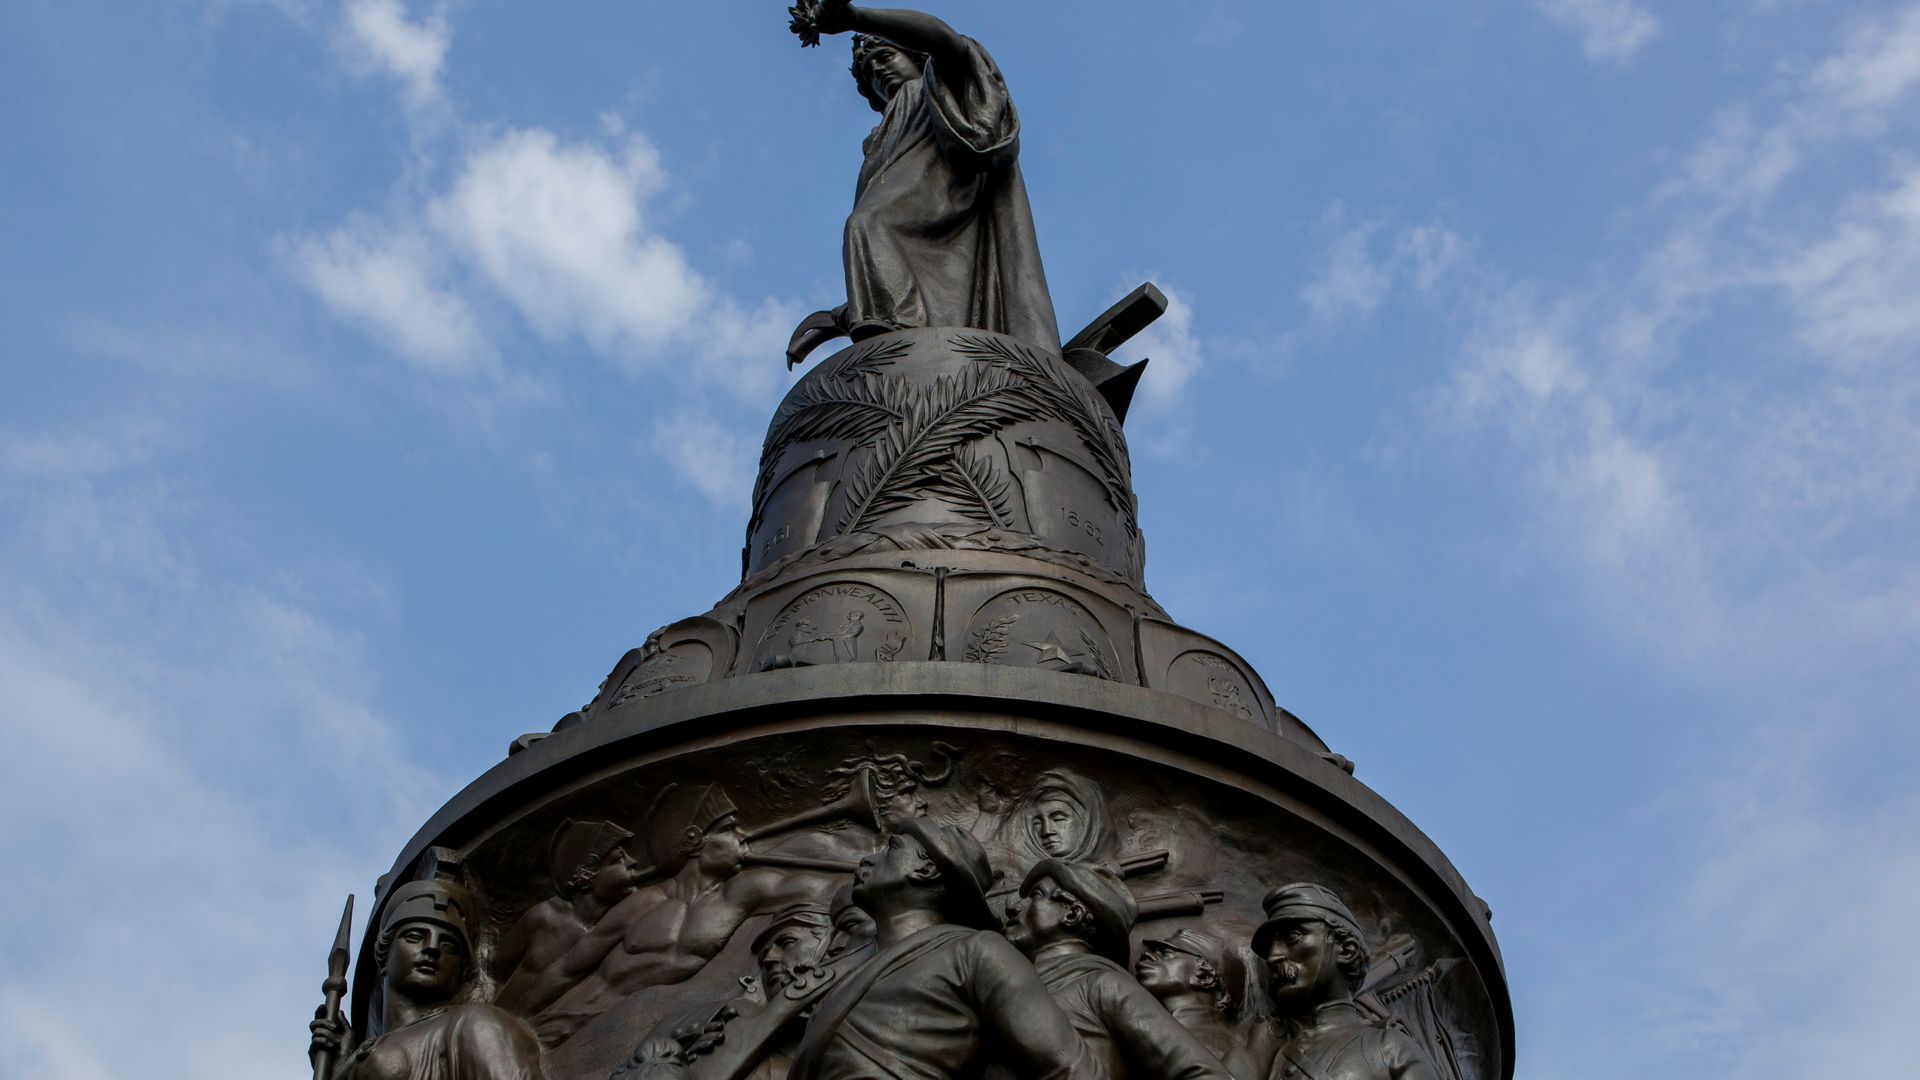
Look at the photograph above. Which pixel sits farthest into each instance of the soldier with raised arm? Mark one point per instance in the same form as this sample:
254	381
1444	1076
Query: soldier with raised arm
941	233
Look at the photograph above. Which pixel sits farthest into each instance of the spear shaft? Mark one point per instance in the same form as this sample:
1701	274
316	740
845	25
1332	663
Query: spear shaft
335	987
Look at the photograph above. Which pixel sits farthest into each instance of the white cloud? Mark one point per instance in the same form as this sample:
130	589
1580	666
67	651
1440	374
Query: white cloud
564	232
1348	283
387	280
559	229
1176	352
380	37
717	459
1854	290
1880	64
1611	31
1359	267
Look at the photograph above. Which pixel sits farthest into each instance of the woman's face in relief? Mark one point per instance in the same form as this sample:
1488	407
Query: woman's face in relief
1057	827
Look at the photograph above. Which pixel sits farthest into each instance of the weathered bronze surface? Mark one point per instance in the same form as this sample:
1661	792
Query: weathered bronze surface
938	790
941	233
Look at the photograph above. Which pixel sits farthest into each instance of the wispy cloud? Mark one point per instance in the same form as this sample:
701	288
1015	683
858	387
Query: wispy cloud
1853	289
391	282
381	37
1610	31
1880	63
167	696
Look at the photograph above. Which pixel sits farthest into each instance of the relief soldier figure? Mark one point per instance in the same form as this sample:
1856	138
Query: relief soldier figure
941	233
759	1031
1316	959
592	871
1201	981
423	953
945	995
1073	921
667	931
852	928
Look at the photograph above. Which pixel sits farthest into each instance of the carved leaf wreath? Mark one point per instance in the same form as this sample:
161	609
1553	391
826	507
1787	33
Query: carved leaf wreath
851	401
1057	394
922	442
975	487
910	456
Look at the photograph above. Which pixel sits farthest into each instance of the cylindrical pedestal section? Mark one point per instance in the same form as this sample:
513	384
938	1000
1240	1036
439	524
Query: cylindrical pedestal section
624	872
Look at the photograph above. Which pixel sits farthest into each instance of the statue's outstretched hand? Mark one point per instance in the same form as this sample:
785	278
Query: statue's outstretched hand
811	18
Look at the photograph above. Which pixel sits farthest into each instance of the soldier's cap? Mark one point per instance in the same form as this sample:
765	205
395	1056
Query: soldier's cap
842	900
806	913
1214	950
680	807
1105	896
577	843
1304	900
964	873
440	902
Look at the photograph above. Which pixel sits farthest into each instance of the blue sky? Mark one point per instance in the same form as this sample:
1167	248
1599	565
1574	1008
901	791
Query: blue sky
1539	410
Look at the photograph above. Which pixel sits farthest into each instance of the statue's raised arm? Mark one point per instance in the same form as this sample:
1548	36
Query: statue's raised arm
941	233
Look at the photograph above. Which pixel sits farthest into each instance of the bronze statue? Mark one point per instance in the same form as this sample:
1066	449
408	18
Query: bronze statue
852	928
1073	921
944	995
1316	959
591	870
1201	981
942	610
666	932
941	233
422	953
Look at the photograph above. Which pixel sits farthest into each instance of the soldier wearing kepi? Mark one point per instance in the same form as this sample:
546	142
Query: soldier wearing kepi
1073	921
1202	982
1316	958
945	996
423	952
763	1028
792	944
853	928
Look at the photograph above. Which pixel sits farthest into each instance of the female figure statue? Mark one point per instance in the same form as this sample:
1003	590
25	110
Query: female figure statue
424	953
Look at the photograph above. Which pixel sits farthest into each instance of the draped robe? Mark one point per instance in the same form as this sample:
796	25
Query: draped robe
466	1042
941	233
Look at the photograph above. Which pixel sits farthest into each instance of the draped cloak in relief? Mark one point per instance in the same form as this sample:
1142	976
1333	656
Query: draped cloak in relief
466	1042
941	233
